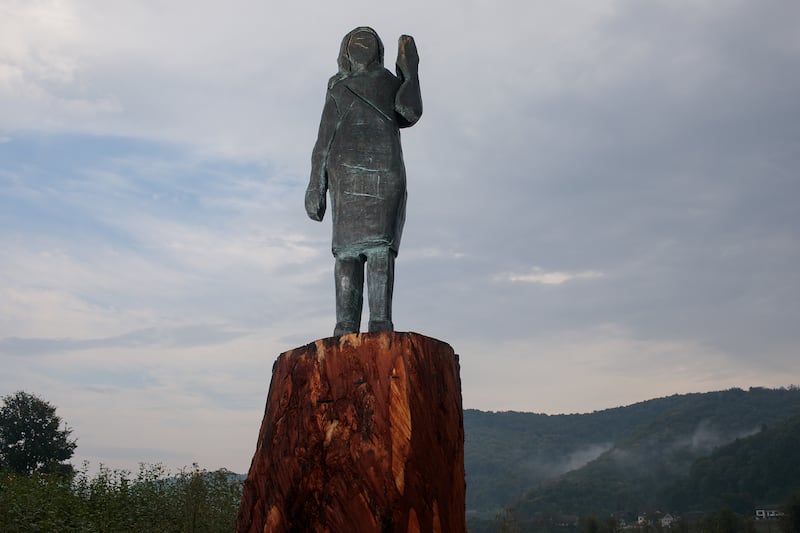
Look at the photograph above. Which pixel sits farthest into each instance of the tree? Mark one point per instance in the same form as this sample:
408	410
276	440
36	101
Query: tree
791	519
507	522
31	438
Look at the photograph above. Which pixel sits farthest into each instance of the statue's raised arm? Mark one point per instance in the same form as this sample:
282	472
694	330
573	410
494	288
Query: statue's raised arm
408	102
358	161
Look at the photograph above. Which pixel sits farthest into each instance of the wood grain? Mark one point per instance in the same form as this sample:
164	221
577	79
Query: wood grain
361	433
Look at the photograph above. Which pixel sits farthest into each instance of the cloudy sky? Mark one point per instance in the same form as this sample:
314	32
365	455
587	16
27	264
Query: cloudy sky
603	205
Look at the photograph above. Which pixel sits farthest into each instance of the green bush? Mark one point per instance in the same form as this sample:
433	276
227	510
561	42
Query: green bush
192	500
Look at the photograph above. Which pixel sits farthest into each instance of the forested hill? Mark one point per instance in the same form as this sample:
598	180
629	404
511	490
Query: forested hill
760	470
607	460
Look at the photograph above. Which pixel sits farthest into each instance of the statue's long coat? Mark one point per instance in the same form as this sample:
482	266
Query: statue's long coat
364	164
358	157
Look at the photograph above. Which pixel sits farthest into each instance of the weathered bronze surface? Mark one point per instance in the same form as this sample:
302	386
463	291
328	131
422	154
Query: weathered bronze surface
358	158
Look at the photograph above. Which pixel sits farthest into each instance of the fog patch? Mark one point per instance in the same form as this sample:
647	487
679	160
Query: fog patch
546	468
706	437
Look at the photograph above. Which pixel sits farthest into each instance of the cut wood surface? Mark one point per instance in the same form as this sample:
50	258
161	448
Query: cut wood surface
361	433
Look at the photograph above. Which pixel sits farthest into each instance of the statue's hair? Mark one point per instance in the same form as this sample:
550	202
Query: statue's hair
345	66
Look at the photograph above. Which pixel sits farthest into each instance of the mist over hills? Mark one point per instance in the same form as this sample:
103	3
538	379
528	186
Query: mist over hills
763	469
629	458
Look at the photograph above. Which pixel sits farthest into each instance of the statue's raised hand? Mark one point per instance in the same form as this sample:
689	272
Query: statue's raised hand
407	57
408	101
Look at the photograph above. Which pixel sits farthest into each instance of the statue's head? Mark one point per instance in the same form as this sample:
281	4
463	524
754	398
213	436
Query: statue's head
360	48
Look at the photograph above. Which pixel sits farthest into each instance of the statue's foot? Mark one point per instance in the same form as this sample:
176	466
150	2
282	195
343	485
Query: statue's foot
343	328
380	325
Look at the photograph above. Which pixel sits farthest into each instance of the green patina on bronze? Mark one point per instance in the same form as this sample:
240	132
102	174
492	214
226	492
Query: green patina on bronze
359	160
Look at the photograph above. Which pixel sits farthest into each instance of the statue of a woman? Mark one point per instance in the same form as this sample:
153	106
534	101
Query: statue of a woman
358	158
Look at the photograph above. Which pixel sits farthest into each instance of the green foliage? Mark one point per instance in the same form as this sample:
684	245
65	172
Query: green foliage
506	522
113	501
791	522
31	438
592	524
723	521
39	502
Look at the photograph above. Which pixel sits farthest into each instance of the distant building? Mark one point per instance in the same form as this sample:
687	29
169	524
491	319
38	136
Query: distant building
769	513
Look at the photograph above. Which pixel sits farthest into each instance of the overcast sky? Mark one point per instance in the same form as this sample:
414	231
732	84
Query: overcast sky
603	205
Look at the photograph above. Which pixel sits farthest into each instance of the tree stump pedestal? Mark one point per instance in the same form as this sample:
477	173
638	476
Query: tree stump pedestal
362	433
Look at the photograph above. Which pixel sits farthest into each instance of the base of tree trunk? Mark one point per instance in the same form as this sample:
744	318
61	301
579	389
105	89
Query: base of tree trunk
361	433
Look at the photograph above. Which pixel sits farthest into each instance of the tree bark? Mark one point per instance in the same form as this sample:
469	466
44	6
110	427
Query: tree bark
361	433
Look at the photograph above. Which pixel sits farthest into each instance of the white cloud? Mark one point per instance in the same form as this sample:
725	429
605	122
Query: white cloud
29	311
412	253
199	248
538	275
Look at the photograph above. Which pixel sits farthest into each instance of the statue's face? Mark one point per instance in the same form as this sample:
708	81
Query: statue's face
362	49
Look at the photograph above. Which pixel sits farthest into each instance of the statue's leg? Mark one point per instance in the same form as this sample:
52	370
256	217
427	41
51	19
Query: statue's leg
349	276
380	284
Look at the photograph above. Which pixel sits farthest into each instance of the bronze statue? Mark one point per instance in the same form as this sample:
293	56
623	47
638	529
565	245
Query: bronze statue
358	158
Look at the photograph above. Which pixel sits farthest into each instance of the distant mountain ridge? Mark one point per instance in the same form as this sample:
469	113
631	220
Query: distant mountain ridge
622	459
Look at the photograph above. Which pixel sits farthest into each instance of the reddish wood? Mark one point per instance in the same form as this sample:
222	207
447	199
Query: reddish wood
361	433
